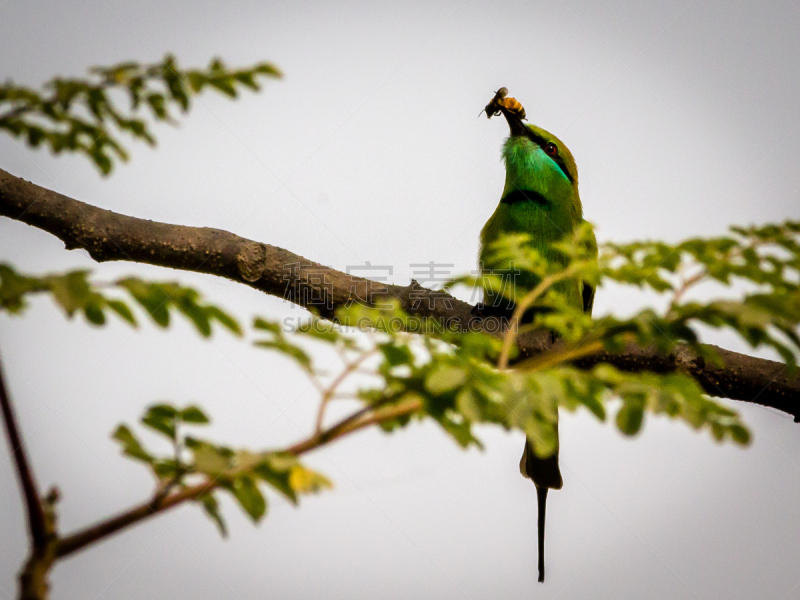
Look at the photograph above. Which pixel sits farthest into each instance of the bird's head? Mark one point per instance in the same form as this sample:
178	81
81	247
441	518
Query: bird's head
536	160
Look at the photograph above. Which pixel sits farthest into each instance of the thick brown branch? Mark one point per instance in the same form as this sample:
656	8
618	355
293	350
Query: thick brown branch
110	236
743	377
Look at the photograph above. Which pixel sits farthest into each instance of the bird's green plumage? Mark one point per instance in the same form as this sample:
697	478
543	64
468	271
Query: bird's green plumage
555	213
540	198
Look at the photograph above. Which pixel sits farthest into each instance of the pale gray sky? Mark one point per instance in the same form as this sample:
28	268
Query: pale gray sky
683	117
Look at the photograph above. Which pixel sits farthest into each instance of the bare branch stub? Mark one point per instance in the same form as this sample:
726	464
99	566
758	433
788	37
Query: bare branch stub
36	514
33	579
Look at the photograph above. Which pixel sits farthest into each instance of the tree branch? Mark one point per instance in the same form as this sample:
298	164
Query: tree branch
354	422
111	236
36	516
33	582
72	543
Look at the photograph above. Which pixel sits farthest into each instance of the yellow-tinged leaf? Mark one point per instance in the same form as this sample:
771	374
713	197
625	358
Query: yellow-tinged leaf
305	481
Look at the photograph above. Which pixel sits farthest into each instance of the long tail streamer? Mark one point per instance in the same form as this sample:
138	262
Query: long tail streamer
541	497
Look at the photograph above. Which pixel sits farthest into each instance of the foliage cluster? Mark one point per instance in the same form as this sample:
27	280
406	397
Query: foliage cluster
460	379
79	115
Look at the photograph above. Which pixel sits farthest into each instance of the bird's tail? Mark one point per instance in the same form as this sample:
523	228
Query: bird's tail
546	474
541	498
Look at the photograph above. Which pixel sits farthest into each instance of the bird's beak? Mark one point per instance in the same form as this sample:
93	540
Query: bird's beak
515	124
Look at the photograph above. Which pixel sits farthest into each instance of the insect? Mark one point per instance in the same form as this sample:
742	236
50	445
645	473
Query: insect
501	102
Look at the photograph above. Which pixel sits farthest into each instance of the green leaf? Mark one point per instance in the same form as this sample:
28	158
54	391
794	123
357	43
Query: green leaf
122	310
130	445
84	115
270	326
224	319
445	378
320	330
211	508
161	418
250	498
158	298
740	434
277	479
629	419
196	314
460	429
168	469
14	287
94	313
151	297
276	340
281	461
192	414
71	290
469	404
292	351
210	460
164	411
396	354
158	106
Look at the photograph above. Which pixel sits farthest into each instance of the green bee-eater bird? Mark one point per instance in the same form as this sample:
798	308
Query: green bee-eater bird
540	198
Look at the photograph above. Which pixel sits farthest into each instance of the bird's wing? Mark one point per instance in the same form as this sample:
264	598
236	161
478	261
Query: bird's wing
588	298
588	290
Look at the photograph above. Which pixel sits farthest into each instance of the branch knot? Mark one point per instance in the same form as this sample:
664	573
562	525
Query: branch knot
251	261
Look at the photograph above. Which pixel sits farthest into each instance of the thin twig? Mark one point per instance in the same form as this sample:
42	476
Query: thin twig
685	285
329	393
315	381
358	420
16	112
551	359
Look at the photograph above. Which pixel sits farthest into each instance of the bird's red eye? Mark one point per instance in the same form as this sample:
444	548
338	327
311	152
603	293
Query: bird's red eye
551	149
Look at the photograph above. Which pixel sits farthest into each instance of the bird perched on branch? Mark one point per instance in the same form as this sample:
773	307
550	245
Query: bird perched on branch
540	198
